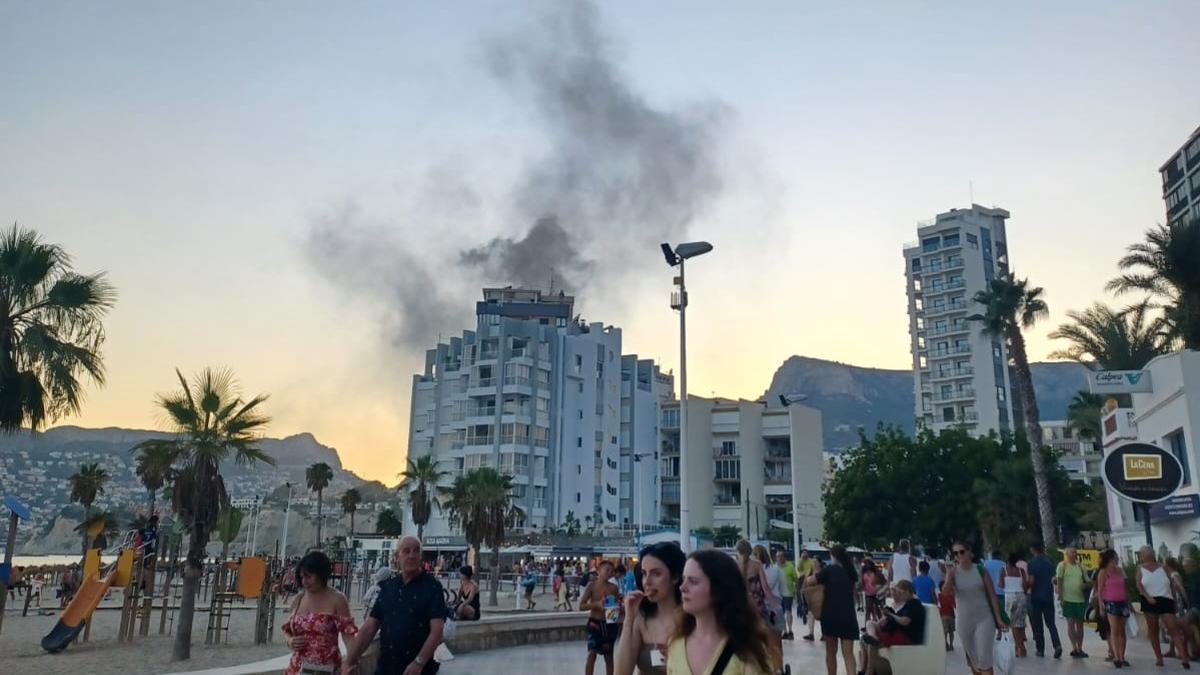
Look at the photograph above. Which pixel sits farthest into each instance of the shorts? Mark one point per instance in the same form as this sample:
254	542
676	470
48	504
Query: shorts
1160	606
601	636
894	638
1116	608
786	602
1074	610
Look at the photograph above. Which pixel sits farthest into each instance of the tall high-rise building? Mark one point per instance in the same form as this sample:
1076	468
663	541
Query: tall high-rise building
960	375
1181	180
548	399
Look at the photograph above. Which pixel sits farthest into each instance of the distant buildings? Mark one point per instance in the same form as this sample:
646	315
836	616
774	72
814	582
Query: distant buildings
1079	457
740	456
1169	417
1181	180
960	375
540	395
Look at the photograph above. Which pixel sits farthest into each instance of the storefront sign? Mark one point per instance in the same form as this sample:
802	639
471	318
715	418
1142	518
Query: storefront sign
1175	508
1119	382
1142	472
1089	558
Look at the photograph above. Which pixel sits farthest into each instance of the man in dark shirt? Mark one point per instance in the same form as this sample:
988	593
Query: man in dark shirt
1041	601
409	613
903	626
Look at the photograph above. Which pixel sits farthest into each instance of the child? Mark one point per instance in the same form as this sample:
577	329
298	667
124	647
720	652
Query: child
946	609
923	583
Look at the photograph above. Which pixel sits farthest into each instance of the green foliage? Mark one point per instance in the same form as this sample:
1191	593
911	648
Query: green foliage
389	523
50	331
229	523
87	484
421	481
726	536
350	501
1105	339
936	488
1084	415
1166	265
318	477
479	504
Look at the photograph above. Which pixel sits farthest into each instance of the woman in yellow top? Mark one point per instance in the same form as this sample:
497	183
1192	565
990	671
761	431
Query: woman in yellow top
721	633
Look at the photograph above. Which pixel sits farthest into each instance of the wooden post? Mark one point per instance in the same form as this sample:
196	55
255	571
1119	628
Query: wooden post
166	594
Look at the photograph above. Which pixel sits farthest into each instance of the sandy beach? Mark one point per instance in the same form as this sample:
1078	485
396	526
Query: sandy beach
21	653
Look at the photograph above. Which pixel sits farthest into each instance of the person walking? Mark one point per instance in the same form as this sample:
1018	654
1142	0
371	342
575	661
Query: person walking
1041	601
773	610
561	598
409	614
1114	604
370	655
1070	582
839	622
651	610
946	612
598	598
1158	605
871	586
787	573
1015	583
720	632
924	587
804	567
904	565
319	616
1182	606
978	609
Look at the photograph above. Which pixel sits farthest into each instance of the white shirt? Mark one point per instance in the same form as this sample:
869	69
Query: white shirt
901	567
1156	583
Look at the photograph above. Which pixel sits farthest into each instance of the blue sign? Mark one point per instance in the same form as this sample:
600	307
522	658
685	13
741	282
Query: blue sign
1175	508
17	507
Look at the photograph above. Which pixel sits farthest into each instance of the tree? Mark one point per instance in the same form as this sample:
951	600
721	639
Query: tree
153	467
318	476
571	525
86	485
211	423
420	480
350	501
1167	267
1105	339
1083	415
726	536
229	523
389	523
105	524
480	506
1010	305
50	330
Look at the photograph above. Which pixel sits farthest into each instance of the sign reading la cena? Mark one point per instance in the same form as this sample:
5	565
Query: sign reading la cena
1142	472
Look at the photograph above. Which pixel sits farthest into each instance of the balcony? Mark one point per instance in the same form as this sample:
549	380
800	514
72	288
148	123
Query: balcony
777	477
481	440
725	500
516	380
946	308
970	417
964	393
480	382
949	330
951	373
488	355
951	351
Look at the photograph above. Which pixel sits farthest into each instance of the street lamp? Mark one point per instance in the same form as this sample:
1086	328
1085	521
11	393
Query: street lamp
676	258
287	511
787	400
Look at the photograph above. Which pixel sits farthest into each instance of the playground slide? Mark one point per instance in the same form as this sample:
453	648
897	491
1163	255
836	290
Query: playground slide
77	613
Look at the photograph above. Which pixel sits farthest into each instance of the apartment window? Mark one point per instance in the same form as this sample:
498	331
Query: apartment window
1178	447
916	264
578	364
727	469
950	240
947	391
543	404
972	241
728	448
578	469
580	383
947	414
578	498
579	441
929	245
580	414
1001	394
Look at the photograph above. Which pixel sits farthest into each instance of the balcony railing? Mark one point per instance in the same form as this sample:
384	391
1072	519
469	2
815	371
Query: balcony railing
970	417
516	380
481	440
519	439
488	354
966	392
726	500
959	349
944	308
483	382
947	330
948	373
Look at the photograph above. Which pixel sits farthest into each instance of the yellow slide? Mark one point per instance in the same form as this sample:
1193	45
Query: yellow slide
87	599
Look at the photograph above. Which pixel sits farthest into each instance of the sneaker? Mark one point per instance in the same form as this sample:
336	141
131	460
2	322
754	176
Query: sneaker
1058	652
809	637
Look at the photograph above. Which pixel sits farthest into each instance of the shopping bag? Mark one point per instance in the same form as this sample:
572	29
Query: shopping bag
1004	655
814	597
1131	626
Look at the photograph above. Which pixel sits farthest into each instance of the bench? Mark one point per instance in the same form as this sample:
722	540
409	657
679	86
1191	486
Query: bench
924	659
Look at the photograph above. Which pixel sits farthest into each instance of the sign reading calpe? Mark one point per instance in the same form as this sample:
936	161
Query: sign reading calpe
1120	382
1142	472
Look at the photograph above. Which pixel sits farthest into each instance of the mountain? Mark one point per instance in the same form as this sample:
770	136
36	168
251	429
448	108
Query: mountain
850	397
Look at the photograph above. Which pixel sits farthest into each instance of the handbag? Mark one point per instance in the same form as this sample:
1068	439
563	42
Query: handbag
814	597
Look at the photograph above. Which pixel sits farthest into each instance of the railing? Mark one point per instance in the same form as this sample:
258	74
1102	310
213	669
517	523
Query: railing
517	380
481	440
487	355
970	417
968	392
726	500
954	372
483	382
518	439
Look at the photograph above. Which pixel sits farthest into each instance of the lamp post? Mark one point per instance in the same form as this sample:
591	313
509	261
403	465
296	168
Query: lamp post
287	511
787	400
676	258
254	537
641	509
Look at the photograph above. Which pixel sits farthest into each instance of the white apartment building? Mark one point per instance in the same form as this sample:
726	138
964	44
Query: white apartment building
1169	417
1079	457
1181	180
960	375
547	399
740	456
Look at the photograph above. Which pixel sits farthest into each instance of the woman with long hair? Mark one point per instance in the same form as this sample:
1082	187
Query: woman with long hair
978	618
319	615
1114	604
754	572
720	631
1158	605
1015	583
468	595
839	622
773	615
651	610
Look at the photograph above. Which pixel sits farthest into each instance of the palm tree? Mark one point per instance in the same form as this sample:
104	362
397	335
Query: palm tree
153	467
50	330
318	476
212	423
1169	264
229	523
107	522
350	501
479	505
417	480
1010	305
86	485
388	523
1083	415
1105	339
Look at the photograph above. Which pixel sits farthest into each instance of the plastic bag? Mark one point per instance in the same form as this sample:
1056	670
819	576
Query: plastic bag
1004	655
1131	627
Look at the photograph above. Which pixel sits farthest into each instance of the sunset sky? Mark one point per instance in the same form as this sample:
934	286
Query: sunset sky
211	157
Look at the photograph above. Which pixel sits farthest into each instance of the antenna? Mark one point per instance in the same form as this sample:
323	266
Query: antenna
971	189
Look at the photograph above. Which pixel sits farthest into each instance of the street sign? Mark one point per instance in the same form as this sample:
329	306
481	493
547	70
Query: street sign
1119	382
1179	507
1142	472
21	510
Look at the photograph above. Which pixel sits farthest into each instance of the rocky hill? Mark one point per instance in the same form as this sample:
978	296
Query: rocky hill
852	397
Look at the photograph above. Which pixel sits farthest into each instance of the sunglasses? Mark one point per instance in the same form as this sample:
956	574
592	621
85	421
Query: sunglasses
960	552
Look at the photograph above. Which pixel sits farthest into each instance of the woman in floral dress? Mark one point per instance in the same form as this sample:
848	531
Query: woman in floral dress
319	615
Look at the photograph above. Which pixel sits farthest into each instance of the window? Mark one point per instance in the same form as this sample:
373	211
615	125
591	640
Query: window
947	391
578	498
578	364
972	241
728	448
947	414
1001	394
579	441
916	264
580	383
1178	446
578	469
929	245
950	240
727	469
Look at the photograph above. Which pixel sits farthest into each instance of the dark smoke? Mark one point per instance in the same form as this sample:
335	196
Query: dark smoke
619	176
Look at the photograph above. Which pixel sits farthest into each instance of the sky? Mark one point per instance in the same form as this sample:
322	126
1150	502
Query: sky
278	187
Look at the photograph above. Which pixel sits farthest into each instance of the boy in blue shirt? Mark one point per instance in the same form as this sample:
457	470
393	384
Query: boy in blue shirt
926	589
